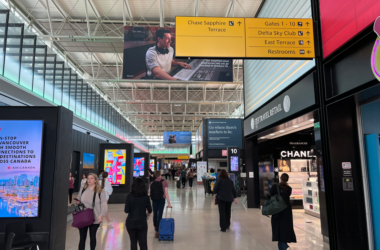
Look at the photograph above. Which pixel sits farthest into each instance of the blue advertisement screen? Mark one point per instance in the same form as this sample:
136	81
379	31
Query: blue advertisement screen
88	161
234	163
179	138
223	133
20	167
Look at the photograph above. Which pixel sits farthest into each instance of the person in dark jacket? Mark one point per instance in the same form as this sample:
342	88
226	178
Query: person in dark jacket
225	193
282	223
138	207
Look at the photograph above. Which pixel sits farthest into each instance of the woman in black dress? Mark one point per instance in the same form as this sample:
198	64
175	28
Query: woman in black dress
282	223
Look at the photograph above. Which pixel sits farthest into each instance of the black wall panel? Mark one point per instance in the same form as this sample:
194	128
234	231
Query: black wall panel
350	216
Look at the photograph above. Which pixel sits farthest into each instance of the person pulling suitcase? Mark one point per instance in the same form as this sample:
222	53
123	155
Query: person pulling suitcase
158	192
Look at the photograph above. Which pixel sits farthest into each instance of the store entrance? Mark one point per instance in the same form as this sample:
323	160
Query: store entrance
294	148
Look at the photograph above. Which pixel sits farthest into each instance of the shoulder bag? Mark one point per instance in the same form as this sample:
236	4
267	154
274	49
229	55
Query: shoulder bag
82	216
274	205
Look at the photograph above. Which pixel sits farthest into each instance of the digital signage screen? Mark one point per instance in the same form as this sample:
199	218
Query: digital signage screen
158	165
88	161
114	164
151	165
234	163
224	133
20	167
179	138
138	166
142	58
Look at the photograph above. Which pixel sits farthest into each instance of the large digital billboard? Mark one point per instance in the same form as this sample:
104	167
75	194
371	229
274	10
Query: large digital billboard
149	54
151	165
20	167
223	133
138	166
179	138
114	164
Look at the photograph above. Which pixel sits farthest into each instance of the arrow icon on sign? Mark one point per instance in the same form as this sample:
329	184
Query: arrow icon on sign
308	33
308	51
307	24
239	23
308	42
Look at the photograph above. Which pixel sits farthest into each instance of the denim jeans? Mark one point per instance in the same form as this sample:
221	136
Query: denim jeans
158	209
282	245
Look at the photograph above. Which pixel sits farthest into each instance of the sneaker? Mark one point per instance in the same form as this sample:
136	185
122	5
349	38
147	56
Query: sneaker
156	235
110	222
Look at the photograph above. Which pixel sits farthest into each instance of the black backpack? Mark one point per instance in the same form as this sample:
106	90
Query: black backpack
156	190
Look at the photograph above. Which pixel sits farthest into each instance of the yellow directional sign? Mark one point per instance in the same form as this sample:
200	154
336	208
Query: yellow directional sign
210	37
215	37
279	38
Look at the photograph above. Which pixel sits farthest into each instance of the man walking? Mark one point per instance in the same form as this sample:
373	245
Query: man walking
158	192
183	177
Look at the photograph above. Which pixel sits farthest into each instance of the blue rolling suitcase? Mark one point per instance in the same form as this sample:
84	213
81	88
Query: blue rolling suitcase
166	228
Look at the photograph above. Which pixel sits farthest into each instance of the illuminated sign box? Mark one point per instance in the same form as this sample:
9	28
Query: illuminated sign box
244	37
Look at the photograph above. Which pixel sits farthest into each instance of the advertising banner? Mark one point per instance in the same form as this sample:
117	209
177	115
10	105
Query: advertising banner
149	54
114	164
20	167
181	138
223	133
138	166
201	170
88	161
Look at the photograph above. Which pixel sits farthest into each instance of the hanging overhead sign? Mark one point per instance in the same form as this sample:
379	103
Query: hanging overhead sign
214	37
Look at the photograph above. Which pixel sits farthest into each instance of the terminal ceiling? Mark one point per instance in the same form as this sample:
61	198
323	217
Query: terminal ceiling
89	33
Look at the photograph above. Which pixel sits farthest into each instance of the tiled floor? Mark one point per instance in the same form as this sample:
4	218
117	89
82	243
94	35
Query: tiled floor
197	227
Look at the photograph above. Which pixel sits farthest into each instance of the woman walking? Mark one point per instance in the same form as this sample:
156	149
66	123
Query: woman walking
83	182
225	194
190	176
282	223
86	196
138	207
106	186
71	188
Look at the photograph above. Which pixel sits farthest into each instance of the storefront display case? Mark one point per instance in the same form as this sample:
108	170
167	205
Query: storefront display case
311	198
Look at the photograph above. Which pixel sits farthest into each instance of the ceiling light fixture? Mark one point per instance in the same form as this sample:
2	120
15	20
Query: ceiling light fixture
262	137
311	120
177	105
282	131
271	134
295	126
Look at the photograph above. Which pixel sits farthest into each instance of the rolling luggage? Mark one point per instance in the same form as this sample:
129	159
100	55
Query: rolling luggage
166	228
178	184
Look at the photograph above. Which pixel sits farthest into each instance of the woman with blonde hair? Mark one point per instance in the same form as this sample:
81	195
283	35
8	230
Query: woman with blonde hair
106	186
92	191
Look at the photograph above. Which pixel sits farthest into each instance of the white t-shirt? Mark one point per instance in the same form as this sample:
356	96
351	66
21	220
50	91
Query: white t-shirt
154	59
107	188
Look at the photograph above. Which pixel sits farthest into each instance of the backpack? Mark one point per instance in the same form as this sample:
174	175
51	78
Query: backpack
274	205
156	190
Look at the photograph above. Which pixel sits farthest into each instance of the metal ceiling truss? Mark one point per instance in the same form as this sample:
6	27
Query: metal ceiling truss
153	106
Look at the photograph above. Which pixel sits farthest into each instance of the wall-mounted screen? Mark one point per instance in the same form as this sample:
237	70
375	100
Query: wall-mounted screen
234	163
138	166
151	165
179	138
114	164
158	165
141	57
88	161
20	167
224	133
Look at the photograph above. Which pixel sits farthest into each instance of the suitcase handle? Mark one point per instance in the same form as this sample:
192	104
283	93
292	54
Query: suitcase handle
171	210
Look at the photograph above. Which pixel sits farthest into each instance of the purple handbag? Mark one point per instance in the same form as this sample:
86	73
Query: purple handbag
84	217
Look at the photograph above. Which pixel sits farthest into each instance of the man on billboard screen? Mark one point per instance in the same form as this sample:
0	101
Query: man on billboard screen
159	58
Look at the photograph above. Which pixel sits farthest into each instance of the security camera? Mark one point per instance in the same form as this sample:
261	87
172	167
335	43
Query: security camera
88	133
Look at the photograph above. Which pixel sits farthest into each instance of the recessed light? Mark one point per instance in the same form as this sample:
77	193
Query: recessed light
271	134
295	126
282	131
311	120
262	137
177	105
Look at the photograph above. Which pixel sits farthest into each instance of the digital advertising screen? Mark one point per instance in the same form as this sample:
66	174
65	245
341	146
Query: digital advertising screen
138	166
158	165
146	48
20	167
234	163
114	164
88	161
151	165
224	133
177	138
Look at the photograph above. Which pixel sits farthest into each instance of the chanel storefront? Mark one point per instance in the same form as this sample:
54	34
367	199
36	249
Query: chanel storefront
283	136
